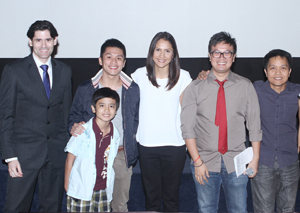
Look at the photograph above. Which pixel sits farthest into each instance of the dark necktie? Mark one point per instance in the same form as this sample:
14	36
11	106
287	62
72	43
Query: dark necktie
221	119
46	80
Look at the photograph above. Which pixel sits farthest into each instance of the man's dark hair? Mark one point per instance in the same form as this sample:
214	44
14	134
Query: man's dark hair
222	37
174	66
42	25
113	43
105	92
280	53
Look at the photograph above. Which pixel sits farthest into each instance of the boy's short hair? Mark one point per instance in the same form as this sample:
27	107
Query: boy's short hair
105	92
112	43
280	53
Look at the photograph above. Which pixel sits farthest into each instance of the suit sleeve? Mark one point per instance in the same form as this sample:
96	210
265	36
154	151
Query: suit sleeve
68	97
8	95
76	109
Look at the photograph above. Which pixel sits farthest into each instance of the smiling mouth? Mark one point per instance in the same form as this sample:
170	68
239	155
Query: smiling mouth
106	115
161	61
113	68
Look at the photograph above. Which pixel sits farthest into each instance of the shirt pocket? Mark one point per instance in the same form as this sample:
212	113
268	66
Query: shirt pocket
290	111
86	150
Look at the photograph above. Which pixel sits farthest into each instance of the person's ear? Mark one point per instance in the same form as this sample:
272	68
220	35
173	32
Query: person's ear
266	72
233	57
290	72
30	42
55	40
93	109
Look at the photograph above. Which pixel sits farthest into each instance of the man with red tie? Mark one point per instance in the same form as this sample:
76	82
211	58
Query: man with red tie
213	115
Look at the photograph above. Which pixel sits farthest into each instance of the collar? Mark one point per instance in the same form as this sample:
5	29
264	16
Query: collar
97	130
39	63
126	80
268	87
231	78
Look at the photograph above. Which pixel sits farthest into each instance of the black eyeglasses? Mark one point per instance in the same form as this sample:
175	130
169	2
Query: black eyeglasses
217	54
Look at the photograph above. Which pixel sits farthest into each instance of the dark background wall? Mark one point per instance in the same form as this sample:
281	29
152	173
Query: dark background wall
85	68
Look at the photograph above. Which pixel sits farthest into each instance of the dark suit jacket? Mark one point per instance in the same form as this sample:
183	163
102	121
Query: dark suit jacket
32	127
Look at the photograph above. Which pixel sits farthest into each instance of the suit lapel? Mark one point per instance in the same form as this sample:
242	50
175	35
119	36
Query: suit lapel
35	75
56	78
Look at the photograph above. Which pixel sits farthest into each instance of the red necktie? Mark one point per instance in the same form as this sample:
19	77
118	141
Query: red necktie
221	119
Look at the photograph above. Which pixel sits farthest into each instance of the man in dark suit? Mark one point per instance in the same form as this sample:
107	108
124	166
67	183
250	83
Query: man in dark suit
35	99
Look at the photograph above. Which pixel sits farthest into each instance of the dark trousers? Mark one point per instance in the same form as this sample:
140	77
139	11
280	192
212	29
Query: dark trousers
161	169
275	185
20	191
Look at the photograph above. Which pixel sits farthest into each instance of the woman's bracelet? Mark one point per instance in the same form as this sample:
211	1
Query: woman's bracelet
196	159
199	165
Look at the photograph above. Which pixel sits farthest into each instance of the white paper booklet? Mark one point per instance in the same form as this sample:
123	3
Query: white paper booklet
241	160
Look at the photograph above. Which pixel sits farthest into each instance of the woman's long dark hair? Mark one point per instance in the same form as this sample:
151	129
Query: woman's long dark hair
174	66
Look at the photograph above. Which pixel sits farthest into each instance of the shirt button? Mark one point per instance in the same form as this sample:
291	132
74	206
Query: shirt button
48	107
48	122
48	138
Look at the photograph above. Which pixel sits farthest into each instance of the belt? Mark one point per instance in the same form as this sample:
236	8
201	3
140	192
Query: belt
120	149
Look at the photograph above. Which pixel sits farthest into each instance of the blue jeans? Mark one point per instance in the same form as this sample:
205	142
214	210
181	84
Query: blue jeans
275	184
235	190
